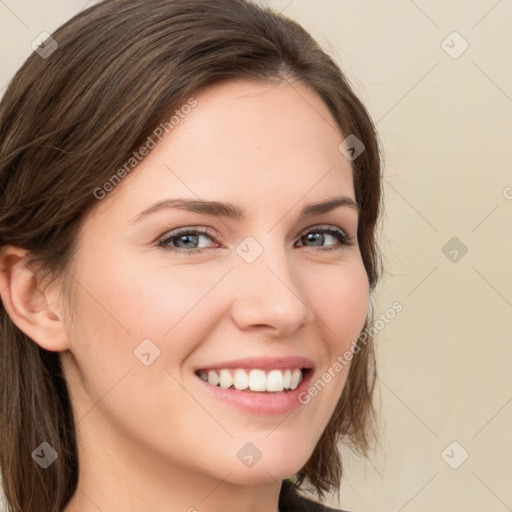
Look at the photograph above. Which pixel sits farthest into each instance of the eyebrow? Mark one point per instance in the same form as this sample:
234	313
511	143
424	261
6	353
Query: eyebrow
229	210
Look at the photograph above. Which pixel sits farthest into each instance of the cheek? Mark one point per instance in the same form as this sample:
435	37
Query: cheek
119	308
121	305
340	298
149	299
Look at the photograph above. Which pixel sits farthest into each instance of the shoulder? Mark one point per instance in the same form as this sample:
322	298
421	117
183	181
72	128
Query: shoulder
291	501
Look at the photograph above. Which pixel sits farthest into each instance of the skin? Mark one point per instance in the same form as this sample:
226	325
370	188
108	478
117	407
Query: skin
150	437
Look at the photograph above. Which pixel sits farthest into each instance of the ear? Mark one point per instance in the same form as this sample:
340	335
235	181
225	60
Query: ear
34	311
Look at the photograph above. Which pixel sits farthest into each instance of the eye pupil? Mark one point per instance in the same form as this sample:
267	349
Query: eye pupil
314	237
188	238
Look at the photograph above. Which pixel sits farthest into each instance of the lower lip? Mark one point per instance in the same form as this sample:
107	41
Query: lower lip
264	402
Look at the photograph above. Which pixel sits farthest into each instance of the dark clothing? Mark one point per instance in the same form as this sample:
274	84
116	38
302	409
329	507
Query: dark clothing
291	501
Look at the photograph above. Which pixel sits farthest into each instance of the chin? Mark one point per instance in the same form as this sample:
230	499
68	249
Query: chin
274	465
264	474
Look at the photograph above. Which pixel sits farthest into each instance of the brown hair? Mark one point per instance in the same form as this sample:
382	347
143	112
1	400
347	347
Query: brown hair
70	119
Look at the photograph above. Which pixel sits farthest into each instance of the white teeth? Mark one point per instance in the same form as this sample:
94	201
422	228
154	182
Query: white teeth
225	379
255	379
296	378
213	378
241	380
287	379
275	381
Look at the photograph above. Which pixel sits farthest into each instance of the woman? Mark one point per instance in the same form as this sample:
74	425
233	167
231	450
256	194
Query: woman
141	371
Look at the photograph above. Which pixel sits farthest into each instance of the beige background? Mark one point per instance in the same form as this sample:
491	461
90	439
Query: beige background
445	121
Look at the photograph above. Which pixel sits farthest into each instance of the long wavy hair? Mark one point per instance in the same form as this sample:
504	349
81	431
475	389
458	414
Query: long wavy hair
71	117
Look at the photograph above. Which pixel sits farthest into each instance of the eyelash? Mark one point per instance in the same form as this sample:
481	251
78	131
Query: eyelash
342	238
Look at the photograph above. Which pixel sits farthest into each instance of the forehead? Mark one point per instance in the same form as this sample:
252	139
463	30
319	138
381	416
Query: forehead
244	141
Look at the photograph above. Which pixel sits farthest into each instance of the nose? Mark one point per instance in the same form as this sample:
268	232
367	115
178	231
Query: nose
267	293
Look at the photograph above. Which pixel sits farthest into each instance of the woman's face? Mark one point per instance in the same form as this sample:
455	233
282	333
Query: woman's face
271	287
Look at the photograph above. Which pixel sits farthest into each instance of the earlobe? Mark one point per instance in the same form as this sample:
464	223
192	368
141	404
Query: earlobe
33	310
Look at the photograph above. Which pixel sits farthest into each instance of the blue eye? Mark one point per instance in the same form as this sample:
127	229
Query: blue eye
338	234
189	238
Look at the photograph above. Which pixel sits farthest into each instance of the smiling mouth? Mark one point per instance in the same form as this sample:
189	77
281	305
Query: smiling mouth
254	380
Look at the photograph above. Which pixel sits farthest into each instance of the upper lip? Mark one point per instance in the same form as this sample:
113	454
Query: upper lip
265	363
